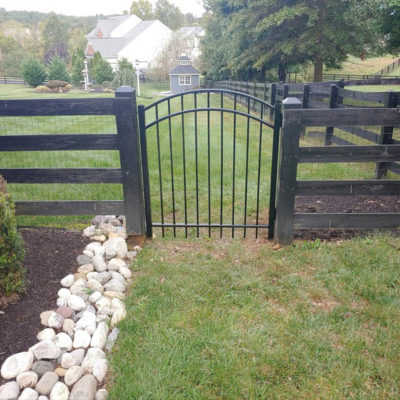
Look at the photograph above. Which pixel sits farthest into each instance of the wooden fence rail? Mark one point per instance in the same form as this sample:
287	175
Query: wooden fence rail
126	142
291	154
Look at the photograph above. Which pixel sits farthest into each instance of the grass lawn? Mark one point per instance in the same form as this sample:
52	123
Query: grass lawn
236	320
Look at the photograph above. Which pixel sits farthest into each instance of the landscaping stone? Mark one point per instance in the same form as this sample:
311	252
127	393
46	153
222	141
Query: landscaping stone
10	391
89	231
55	321
125	272
44	317
101	394
103	277
76	303
41	367
73	375
118	315
62	302
27	379
68	326
115	285
99	264
96	248
92	355
60	371
45	349
95	285
130	255
82	260
59	392
46	383
85	388
29	394
63	341
112	295
87	322
115	247
115	264
64	293
79	285
99	238
99	337
100	370
81	339
43	398
95	296
66	312
86	268
117	303
16	364
91	275
67	281
72	359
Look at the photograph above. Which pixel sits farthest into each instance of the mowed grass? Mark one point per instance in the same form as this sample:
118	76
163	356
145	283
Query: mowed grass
236	320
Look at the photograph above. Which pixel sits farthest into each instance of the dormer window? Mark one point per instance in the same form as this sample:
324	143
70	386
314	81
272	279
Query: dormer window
184	62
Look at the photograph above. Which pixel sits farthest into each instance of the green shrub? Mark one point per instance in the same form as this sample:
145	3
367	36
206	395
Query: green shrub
102	71
12	251
58	69
33	71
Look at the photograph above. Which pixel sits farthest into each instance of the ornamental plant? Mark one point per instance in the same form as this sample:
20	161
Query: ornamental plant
58	69
33	71
12	251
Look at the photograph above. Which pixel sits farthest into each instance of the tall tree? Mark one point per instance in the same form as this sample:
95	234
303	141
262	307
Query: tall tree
390	26
55	36
143	9
169	14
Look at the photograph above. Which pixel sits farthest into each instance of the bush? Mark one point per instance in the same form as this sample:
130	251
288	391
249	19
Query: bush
42	89
33	71
125	74
58	69
12	251
102	71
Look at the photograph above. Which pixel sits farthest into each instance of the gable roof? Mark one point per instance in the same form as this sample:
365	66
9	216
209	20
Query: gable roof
184	70
107	25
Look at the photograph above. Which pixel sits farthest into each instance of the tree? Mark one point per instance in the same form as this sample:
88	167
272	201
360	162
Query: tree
33	71
55	36
143	9
77	67
390	27
102	71
169	14
125	74
58	69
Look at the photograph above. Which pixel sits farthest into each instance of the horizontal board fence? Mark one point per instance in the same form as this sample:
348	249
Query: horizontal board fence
126	142
291	154
324	95
9	80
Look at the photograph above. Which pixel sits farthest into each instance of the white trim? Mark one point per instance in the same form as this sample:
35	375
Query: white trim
185	80
184	74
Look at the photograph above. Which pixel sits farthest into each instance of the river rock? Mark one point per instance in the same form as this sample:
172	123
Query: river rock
117	303
79	285
99	238
112	295
10	391
73	375
76	303
88	253
92	355
28	394
100	370
95	285
89	231
125	272
85	388
115	247
59	392
63	341
82	259
27	379
81	339
64	293
101	394
115	285
118	315
45	349
67	281
99	264
44	316
103	277
115	264
68	326
16	364
96	248
46	383
66	312
62	302
99	337
72	359
95	296
41	367
91	275
60	371
86	268
86	322
55	321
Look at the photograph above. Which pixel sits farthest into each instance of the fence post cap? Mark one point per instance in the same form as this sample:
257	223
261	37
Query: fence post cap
291	102
125	91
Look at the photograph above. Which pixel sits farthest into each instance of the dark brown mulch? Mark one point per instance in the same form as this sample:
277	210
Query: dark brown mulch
50	255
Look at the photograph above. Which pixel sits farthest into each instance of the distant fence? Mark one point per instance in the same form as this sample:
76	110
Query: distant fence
295	121
126	141
7	80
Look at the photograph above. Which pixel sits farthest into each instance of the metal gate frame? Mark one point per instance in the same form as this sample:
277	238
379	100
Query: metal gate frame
274	114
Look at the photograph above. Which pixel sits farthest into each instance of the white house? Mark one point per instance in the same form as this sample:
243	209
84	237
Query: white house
192	36
127	36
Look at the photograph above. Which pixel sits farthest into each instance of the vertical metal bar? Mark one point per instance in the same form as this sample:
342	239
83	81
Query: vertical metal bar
172	166
145	169
197	164
234	166
259	170
209	164
184	166
160	174
222	164
247	166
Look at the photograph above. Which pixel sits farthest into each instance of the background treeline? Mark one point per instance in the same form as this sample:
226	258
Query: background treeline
264	39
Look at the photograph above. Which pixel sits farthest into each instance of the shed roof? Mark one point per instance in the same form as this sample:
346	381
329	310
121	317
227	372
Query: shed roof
183	70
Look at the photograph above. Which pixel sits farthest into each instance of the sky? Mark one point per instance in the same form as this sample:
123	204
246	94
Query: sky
91	7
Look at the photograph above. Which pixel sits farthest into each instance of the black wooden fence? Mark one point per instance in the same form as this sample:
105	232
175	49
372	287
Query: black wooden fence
126	141
291	154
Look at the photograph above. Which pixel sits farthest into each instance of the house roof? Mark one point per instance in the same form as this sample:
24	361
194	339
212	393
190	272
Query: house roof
184	58
184	70
107	25
190	30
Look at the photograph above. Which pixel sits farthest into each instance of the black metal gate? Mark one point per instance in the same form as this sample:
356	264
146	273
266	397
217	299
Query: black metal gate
209	162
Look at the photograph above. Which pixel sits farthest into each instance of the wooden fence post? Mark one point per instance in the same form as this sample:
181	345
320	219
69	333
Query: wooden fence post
285	91
130	157
391	101
288	158
306	96
332	104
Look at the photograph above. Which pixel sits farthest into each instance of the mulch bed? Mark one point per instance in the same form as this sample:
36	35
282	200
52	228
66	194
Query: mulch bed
50	255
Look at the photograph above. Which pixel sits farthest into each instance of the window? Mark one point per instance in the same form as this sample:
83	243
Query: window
185	80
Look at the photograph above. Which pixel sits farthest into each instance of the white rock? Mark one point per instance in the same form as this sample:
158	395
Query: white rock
78	286
91	275
102	302
86	322
72	359
29	394
47	382
46	334
59	392
119	315
130	255
95	296
45	349
115	247
9	391
116	275
67	281
99	264
99	337
62	302
85	388
16	364
113	295
92	355
89	231
96	248
88	253
125	272
100	370
68	326
103	277
102	318
55	321
86	268
115	285
117	303
76	303
115	264
99	238
43	398
63	341
27	379
101	394
64	293
73	375
81	339
45	315
95	285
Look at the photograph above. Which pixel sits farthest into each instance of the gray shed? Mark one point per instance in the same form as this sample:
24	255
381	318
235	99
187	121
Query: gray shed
184	76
